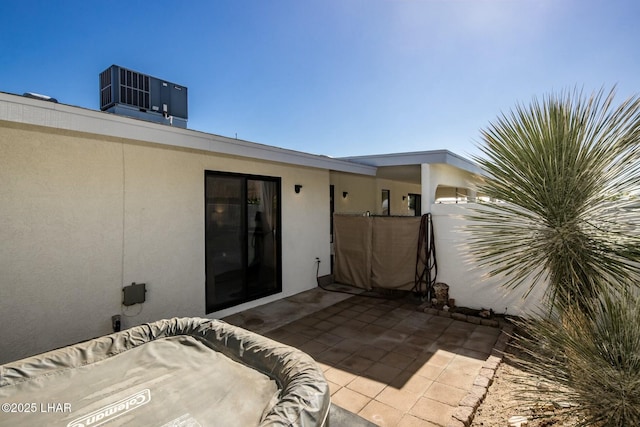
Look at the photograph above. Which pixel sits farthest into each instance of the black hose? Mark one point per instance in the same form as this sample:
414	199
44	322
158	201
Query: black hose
426	265
360	294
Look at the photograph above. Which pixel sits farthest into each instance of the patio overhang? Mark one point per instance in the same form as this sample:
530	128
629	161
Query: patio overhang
406	166
417	168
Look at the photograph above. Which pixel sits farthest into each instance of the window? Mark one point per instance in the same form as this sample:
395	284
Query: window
415	204
386	198
242	244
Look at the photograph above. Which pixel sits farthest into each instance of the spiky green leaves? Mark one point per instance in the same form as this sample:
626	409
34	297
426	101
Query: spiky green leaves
566	174
589	357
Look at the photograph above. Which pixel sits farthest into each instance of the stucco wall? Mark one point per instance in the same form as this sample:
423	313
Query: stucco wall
365	191
362	195
81	216
397	189
469	284
365	194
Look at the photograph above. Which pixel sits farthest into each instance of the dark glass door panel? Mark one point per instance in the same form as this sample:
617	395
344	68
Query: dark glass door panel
225	240
243	244
262	273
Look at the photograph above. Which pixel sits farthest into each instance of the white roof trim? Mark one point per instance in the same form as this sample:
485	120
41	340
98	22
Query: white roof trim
417	158
15	108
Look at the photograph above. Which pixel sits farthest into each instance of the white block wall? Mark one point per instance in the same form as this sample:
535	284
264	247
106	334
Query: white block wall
470	285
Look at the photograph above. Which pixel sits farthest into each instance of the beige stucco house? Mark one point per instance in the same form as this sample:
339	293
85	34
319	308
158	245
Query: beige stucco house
91	202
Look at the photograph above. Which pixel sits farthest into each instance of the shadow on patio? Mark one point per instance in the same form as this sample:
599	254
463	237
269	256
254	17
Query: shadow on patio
384	360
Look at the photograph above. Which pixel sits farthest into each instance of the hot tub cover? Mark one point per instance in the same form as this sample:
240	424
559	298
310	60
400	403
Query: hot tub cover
174	372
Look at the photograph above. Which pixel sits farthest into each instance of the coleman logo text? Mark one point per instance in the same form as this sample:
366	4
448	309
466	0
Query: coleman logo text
113	410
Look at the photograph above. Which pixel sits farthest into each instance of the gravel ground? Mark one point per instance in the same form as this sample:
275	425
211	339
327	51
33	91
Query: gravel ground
503	401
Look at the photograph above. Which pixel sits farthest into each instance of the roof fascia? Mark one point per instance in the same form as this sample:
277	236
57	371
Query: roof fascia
18	109
417	158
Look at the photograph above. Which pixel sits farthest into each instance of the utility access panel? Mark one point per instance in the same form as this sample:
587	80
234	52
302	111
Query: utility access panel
133	94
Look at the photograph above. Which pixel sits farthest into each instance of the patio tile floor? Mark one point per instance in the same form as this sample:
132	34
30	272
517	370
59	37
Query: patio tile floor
383	359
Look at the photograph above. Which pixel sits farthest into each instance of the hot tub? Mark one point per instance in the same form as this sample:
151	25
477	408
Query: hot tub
176	372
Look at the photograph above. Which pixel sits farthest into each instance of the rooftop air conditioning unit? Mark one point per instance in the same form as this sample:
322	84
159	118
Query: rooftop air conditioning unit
132	94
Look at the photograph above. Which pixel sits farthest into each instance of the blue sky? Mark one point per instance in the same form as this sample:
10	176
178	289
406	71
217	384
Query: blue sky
332	77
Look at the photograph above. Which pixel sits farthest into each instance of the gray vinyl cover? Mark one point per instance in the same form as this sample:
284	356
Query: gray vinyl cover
175	372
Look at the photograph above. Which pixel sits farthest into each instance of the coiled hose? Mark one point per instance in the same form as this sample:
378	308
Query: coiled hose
426	265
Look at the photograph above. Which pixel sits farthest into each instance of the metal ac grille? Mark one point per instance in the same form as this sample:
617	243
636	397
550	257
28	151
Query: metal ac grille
105	89
134	89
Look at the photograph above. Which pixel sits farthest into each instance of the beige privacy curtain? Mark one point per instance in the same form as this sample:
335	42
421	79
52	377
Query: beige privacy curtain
376	251
352	249
394	249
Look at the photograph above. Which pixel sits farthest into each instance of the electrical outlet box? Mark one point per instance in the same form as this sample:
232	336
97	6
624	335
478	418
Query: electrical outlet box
116	325
134	294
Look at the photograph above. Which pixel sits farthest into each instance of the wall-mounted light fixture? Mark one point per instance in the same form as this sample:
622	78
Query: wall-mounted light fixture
297	188
345	194
404	198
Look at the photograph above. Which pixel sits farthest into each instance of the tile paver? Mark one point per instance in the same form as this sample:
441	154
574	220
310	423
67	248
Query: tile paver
383	359
350	400
356	363
431	410
313	346
381	414
339	376
445	393
411	382
411	421
366	386
427	370
400	399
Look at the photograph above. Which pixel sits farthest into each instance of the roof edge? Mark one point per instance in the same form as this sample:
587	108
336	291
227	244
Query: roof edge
416	158
19	109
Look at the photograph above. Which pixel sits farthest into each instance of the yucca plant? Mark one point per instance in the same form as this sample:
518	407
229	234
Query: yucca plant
587	362
565	175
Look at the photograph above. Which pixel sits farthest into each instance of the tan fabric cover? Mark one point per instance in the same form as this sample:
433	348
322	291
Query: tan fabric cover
393	255
352	246
376	251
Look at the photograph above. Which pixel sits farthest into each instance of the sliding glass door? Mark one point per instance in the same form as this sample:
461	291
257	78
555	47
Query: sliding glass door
242	229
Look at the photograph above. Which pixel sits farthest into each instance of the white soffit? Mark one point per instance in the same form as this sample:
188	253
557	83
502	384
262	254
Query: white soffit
418	158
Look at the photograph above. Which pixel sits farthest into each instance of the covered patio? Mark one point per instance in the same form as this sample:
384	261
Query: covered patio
386	359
